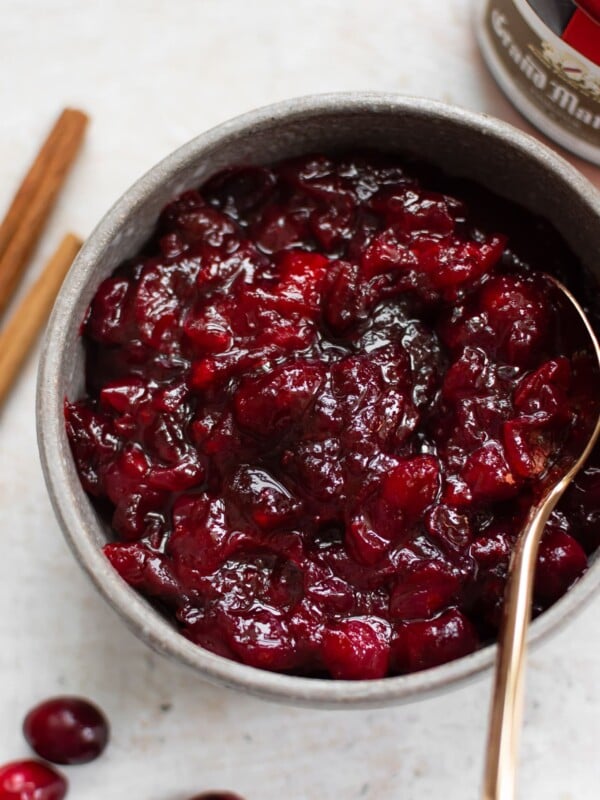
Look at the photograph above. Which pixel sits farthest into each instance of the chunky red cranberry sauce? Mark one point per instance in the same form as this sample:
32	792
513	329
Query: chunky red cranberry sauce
320	403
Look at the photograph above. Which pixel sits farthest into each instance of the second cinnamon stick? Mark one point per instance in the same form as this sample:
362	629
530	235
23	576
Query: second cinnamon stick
24	326
32	204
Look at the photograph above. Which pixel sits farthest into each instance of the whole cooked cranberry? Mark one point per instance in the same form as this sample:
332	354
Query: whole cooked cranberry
31	780
561	560
270	403
518	313
412	485
66	730
109	319
423	644
488	474
356	649
426	590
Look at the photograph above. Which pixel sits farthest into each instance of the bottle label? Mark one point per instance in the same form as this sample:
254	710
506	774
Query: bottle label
561	82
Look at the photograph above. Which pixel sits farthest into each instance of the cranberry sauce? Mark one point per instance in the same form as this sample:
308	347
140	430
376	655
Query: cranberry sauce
320	404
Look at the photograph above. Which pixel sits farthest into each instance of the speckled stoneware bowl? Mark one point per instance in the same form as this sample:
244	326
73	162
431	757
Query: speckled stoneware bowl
466	144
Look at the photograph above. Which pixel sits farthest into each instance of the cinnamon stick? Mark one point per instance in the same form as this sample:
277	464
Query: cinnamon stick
21	331
35	198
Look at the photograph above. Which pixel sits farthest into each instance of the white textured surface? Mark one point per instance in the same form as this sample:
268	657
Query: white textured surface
153	74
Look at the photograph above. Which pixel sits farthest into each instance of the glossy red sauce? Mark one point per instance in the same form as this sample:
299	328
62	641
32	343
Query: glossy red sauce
319	405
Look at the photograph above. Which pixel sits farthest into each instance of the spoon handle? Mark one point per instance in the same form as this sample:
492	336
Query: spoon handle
507	698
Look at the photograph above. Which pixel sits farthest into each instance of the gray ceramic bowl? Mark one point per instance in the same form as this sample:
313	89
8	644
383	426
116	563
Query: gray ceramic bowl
463	143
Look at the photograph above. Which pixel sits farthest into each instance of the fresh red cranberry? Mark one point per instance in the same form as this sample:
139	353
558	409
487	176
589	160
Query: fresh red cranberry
31	780
66	730
320	402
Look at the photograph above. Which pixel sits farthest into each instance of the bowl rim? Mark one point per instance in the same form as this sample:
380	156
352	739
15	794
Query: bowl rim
70	503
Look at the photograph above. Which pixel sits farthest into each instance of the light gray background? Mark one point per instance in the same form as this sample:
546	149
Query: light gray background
152	75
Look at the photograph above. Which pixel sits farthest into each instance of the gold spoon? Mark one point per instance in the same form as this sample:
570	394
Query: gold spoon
507	699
